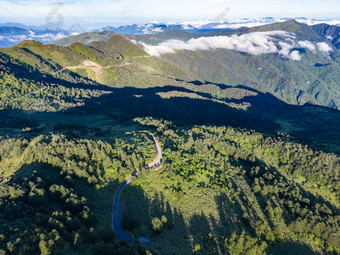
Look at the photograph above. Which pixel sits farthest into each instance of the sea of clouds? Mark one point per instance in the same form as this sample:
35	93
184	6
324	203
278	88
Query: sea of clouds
10	40
258	43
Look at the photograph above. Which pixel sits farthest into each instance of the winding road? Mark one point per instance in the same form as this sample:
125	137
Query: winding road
116	219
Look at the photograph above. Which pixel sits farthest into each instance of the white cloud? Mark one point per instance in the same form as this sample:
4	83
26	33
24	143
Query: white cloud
324	47
257	43
44	38
312	22
285	49
307	45
294	55
253	43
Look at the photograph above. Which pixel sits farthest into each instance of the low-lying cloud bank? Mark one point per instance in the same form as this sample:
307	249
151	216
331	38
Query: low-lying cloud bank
257	43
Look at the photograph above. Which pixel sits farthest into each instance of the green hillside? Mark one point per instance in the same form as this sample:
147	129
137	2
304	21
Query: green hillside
85	38
251	162
332	33
221	190
314	79
117	62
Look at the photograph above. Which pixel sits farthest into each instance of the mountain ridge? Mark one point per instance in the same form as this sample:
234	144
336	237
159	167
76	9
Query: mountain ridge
48	35
317	83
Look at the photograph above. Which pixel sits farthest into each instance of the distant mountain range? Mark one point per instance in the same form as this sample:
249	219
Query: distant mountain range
14	33
10	35
203	26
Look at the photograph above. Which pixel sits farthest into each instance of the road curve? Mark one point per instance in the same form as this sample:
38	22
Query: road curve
116	219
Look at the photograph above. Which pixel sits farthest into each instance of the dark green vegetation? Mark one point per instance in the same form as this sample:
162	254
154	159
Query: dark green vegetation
332	33
225	190
221	190
243	171
50	203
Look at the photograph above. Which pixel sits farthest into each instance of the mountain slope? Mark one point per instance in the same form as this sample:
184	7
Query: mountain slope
315	78
332	33
116	62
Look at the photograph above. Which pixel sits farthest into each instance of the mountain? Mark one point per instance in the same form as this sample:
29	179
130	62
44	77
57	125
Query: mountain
10	35
311	77
88	38
247	166
20	25
206	26
43	34
157	28
303	31
331	33
85	38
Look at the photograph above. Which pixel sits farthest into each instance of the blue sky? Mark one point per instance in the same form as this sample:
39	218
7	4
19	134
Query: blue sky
119	12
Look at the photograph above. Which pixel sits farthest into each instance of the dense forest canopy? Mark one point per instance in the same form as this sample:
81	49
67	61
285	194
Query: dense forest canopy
260	192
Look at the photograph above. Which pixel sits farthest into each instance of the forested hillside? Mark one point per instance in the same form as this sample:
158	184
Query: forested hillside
243	170
56	192
221	190
314	78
